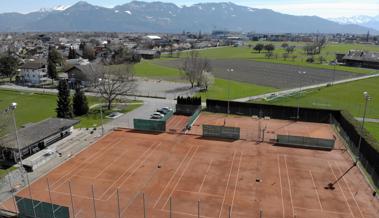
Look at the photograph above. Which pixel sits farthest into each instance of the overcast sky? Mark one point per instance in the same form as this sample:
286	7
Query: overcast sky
323	8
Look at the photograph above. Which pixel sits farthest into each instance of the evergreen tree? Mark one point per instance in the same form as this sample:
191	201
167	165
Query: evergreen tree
64	109
52	71
79	103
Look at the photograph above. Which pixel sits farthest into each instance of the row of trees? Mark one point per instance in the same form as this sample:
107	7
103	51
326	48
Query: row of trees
66	109
260	47
188	100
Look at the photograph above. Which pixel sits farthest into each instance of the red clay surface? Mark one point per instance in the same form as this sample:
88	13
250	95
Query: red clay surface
252	127
177	123
219	174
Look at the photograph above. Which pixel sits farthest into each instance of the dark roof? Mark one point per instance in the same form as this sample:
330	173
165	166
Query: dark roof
362	56
37	132
34	65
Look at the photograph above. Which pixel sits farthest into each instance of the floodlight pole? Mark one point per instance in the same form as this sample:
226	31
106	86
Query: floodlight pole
229	71
298	97
12	107
101	114
367	98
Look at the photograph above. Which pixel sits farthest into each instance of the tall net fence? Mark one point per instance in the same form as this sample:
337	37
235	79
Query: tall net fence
356	153
6	126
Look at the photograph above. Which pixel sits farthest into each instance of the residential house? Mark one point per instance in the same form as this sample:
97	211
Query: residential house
362	59
33	73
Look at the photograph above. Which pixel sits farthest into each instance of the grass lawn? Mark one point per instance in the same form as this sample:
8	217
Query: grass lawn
373	128
348	96
93	118
151	70
35	107
328	53
4	172
219	90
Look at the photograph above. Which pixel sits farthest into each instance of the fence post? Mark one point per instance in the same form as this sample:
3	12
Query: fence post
230	212
118	204
72	201
198	209
51	200
93	201
10	185
260	213
144	205
170	207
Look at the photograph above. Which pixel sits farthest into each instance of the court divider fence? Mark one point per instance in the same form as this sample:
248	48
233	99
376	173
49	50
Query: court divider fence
305	142
222	132
33	208
192	119
361	143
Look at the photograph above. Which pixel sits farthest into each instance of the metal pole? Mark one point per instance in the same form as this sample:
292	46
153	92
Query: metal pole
367	98
170	207
16	133
228	91
260	213
72	200
118	204
93	201
230	212
102	123
30	194
51	200
198	209
144	205
10	185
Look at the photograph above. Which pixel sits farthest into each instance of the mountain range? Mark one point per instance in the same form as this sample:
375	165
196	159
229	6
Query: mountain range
366	21
138	16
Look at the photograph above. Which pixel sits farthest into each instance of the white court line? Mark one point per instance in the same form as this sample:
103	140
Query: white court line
343	193
200	193
236	183
348	187
133	172
205	176
91	158
281	186
113	161
318	195
227	184
289	185
172	177
181	176
325	211
184	213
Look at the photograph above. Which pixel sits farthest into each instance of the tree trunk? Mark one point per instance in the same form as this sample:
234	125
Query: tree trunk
109	104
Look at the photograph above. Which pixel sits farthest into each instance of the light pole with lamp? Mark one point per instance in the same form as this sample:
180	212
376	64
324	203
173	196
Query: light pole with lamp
101	113
13	107
334	63
367	99
298	97
229	70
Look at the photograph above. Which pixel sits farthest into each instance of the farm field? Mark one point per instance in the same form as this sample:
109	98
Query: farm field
34	107
279	76
328	53
348	96
188	175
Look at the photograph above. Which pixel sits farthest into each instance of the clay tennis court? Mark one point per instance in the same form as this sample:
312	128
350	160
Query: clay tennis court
239	177
252	127
177	123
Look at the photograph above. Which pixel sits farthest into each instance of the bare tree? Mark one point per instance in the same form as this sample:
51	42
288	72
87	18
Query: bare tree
115	82
207	80
194	67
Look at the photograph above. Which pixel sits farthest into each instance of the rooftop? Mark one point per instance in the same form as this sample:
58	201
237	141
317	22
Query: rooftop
36	132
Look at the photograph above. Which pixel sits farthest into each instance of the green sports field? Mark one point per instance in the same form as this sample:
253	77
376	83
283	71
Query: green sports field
34	107
348	96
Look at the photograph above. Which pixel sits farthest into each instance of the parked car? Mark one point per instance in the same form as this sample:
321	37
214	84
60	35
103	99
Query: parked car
156	117
164	112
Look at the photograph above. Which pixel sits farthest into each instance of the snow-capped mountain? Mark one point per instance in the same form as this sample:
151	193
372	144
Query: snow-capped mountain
139	16
61	7
367	21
